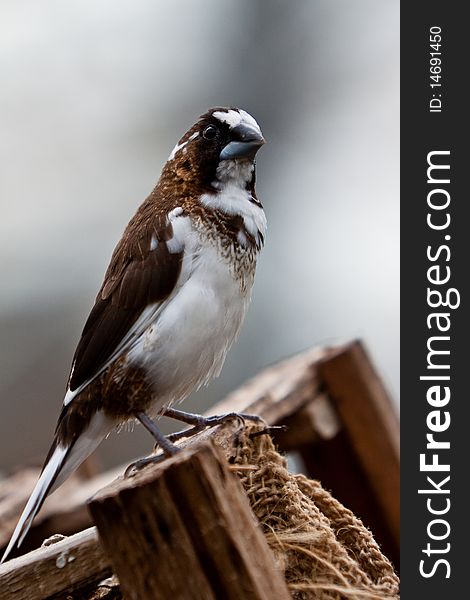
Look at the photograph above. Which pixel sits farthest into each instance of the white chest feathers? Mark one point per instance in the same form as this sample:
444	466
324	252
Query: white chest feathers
233	199
186	345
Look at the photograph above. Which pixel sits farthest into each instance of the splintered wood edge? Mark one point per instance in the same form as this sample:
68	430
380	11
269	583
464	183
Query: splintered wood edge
64	565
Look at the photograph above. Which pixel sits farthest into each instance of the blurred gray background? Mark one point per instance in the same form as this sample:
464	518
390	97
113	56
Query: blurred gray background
93	97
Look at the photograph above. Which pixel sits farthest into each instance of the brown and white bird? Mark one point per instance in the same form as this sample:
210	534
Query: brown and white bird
173	298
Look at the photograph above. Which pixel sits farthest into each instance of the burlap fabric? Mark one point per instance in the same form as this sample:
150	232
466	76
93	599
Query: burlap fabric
323	549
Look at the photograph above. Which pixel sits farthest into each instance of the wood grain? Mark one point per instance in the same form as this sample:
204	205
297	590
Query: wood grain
184	529
71	563
370	422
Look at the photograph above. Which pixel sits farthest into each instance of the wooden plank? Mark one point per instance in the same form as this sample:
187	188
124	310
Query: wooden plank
68	564
184	529
370	423
309	426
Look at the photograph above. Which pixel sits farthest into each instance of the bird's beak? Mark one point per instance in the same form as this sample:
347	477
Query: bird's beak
245	144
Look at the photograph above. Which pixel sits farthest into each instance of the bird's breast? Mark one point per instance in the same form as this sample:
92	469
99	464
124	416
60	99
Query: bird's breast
187	343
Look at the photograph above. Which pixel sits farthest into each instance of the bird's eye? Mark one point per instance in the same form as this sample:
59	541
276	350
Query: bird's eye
210	132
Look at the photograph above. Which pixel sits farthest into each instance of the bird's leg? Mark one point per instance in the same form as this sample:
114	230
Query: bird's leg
169	449
166	445
186	433
200	422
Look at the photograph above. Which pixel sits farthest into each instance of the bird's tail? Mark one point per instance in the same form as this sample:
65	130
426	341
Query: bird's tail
63	459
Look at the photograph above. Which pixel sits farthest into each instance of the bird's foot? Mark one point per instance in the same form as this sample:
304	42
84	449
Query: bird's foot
184	433
166	443
200	422
138	465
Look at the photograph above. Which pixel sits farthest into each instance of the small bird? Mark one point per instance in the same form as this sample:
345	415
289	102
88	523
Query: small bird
172	302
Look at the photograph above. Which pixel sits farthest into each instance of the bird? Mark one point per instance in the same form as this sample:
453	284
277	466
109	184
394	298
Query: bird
172	302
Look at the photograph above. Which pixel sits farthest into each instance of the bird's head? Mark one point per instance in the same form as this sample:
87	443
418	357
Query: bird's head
219	148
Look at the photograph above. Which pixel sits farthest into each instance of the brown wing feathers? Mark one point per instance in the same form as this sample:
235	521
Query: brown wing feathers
137	276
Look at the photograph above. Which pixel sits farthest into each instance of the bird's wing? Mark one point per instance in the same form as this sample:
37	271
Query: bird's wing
144	270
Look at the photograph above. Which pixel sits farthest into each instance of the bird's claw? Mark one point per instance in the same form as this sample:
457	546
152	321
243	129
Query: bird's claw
140	464
221	419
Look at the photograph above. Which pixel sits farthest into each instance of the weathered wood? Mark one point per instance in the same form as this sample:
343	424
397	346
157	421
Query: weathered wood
285	392
310	425
274	394
370	423
184	529
71	563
